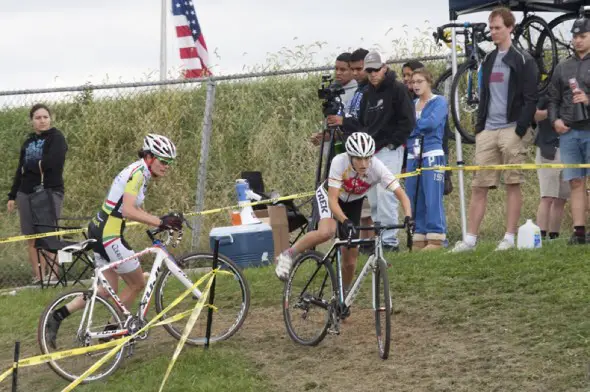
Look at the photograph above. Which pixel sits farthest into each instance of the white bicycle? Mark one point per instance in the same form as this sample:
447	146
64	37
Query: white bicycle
88	327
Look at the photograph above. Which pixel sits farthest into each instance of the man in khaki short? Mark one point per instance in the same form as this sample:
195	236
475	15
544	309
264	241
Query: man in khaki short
507	105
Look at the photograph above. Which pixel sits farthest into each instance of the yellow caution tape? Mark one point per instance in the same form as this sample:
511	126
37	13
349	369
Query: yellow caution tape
207	212
122	342
6	374
189	326
525	166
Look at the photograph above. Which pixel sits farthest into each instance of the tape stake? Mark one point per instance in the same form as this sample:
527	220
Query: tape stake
187	329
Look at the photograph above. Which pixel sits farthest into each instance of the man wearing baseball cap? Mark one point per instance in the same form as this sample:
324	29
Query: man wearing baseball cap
387	114
568	112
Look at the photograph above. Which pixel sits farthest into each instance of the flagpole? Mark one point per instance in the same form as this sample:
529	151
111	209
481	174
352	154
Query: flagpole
163	37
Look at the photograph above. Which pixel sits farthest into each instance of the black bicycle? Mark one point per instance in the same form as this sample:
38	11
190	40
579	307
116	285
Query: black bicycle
314	302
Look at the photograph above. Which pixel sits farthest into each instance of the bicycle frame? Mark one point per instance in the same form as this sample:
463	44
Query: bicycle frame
162	256
333	253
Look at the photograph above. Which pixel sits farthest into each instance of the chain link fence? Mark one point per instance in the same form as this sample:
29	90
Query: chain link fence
221	126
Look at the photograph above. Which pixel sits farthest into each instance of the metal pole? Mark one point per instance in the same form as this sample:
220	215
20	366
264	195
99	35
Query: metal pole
458	140
163	37
202	171
212	295
15	366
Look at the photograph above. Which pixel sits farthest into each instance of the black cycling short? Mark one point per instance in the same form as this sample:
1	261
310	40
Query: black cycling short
352	210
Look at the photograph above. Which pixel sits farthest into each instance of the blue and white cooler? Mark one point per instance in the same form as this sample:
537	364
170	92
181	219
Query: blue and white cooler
246	245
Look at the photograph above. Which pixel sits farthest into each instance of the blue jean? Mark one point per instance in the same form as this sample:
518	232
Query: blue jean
574	147
384	204
430	210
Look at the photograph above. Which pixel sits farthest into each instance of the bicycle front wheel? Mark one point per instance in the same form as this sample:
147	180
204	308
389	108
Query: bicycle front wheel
68	338
307	298
232	298
382	308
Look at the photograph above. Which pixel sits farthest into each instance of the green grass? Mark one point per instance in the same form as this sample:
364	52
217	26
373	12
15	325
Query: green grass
482	321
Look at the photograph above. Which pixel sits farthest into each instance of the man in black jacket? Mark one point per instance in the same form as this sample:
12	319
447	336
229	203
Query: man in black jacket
508	98
568	112
387	114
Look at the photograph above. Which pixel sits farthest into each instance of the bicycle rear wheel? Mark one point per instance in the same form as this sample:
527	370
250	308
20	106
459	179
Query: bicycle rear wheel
307	298
67	338
232	298
464	110
382	308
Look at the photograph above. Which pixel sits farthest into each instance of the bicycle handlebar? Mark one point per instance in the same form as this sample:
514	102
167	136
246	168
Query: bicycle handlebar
440	31
378	228
152	233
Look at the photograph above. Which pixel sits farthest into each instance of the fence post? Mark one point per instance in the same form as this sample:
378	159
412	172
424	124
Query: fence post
204	157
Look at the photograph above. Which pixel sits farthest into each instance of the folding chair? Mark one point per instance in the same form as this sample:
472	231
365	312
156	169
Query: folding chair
45	221
296	220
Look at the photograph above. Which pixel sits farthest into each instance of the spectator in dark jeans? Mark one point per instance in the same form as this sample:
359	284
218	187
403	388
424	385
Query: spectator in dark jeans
44	151
387	114
554	189
357	63
564	102
407	71
507	105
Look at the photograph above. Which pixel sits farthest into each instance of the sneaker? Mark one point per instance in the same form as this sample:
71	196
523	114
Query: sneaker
284	263
461	246
504	245
36	281
576	240
51	331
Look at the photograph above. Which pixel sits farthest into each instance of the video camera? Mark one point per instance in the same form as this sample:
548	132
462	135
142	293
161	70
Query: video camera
330	92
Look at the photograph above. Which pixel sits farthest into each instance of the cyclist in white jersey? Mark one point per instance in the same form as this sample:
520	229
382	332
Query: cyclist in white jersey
351	176
123	202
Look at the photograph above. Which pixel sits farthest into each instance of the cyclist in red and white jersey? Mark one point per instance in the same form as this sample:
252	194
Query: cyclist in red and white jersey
351	176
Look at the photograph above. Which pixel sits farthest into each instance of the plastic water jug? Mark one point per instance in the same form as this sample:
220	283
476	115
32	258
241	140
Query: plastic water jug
529	236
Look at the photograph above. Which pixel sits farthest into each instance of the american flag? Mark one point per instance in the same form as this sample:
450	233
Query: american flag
193	50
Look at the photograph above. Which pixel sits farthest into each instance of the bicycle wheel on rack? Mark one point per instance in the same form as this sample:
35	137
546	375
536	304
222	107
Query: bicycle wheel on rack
561	28
232	298
442	86
307	298
535	37
71	368
464	109
382	308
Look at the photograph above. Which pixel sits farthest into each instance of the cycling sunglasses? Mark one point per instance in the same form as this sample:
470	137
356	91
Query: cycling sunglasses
165	161
371	70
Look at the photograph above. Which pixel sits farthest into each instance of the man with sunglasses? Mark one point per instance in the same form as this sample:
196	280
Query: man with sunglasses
387	114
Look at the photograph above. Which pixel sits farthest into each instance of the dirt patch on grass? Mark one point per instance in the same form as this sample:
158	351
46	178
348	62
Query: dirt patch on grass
425	356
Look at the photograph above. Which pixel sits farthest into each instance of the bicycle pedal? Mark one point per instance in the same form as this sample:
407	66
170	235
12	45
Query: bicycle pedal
334	330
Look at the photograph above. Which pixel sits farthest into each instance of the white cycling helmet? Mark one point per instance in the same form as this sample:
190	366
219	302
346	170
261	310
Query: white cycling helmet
160	146
360	144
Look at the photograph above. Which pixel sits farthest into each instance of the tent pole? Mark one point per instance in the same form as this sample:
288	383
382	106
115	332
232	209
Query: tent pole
458	140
